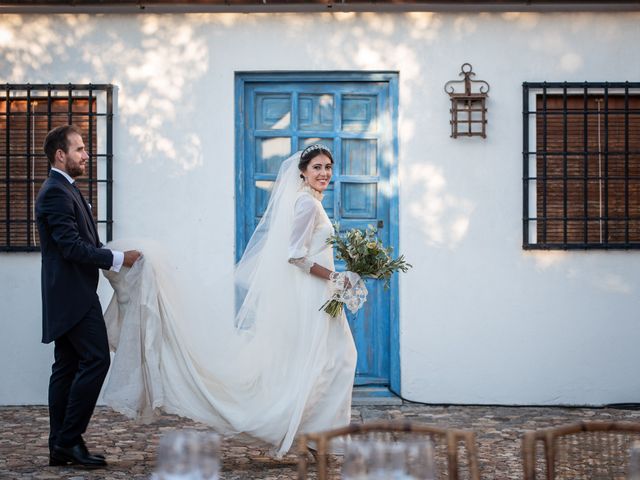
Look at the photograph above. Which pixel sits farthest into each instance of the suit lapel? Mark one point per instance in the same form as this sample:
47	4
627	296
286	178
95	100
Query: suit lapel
87	216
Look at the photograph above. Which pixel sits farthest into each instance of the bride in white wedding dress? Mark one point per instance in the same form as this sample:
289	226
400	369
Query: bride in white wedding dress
287	369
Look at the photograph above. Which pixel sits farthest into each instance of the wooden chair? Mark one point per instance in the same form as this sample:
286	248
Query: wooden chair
446	444
592	450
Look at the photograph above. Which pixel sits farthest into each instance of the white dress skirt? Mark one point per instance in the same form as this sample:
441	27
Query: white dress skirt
293	373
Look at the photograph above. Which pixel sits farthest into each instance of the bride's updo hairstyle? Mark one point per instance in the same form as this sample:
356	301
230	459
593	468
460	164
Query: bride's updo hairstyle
311	152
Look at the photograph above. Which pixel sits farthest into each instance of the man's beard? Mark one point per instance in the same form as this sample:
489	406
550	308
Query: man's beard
75	170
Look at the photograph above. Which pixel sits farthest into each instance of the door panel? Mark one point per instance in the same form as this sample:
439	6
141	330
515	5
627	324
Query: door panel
281	116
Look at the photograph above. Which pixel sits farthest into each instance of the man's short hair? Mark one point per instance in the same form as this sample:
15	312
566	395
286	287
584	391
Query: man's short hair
58	139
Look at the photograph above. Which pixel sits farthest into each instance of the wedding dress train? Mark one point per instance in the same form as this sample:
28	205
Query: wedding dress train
291	372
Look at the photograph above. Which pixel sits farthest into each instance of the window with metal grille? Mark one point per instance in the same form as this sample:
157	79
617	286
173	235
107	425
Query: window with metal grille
27	113
581	161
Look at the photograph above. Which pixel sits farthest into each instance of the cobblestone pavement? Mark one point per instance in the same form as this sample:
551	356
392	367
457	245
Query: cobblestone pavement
130	446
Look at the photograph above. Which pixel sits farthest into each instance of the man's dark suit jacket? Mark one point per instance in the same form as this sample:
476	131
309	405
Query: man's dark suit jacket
71	256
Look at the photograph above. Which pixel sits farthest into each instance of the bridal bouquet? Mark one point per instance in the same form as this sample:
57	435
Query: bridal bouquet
365	255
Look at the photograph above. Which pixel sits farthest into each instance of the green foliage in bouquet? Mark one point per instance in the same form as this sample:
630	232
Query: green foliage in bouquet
365	254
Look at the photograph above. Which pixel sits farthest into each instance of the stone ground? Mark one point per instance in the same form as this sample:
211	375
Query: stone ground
130	446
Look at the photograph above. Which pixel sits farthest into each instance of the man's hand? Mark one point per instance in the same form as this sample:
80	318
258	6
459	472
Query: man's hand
130	257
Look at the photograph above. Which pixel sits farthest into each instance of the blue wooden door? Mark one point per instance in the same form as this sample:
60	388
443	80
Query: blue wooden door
355	118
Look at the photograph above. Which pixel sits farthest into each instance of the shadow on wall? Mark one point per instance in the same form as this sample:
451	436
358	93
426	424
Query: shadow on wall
399	42
153	60
163	66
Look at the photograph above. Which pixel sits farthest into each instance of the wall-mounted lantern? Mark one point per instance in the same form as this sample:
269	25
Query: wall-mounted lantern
468	109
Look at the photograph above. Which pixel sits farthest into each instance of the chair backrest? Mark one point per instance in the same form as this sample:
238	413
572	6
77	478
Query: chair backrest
447	445
593	450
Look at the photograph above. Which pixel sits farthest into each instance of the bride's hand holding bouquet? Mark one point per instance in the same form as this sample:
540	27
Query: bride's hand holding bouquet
365	257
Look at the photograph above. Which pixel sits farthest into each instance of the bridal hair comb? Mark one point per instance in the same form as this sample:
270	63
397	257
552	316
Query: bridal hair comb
313	148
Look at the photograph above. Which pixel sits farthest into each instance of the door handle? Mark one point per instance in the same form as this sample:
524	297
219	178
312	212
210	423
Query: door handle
380	223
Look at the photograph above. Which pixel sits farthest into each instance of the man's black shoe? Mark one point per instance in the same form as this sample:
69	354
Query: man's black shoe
60	463
76	455
53	462
86	450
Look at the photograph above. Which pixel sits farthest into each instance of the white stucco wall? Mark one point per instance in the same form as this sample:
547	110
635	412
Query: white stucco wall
481	320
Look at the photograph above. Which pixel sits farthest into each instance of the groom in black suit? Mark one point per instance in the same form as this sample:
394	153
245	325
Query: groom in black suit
72	255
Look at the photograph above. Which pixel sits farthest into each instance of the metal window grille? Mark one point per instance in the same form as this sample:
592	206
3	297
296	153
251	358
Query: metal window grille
27	113
581	165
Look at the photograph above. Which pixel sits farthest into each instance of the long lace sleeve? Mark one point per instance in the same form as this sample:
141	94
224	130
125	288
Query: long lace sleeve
301	232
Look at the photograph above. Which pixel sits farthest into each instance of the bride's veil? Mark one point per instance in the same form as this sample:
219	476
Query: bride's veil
264	261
